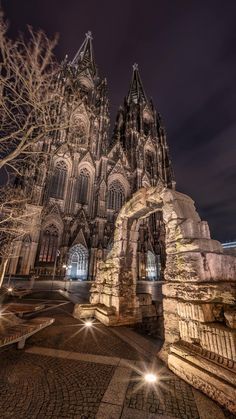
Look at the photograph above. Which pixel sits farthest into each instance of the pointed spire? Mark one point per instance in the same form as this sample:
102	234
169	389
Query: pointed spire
84	58
136	92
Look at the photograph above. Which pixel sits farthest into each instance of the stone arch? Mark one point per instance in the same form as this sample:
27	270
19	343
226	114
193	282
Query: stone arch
80	126
49	243
116	195
83	185
199	291
78	262
120	178
87	169
184	230
59	179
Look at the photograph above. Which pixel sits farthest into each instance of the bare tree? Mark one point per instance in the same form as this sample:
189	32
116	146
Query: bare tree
31	99
14	222
29	95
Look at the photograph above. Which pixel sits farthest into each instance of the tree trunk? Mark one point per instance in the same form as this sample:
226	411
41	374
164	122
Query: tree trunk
2	271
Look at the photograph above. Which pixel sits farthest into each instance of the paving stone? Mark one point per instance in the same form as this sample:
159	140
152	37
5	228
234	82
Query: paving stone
76	387
172	398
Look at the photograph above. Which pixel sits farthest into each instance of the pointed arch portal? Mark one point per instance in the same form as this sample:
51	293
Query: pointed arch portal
78	262
200	283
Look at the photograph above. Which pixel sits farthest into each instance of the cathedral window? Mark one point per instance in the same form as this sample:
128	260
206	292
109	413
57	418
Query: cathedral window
58	182
151	266
83	187
49	244
116	196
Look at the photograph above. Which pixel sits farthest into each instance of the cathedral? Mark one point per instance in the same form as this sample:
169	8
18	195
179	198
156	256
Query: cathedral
87	175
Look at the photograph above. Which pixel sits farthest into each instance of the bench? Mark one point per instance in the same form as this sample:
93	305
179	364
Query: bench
15	330
18	292
20	309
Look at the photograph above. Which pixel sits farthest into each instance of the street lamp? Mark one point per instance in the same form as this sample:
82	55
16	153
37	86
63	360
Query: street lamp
66	267
54	267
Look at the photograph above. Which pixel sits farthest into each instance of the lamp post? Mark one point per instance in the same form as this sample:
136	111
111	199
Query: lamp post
66	267
54	267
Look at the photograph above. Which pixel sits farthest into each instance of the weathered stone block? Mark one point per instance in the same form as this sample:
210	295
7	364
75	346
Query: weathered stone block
177	229
178	205
199	312
189	330
224	292
218	339
83	311
170	305
193	245
230	316
203	378
197	266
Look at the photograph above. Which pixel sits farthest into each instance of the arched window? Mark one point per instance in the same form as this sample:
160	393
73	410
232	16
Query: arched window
83	187
151	268
58	182
116	196
49	244
149	163
78	262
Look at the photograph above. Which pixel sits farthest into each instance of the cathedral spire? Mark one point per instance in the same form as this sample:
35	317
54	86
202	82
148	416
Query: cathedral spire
136	92
84	58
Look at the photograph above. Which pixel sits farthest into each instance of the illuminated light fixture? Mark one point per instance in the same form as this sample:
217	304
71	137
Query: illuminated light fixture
88	323
150	378
10	289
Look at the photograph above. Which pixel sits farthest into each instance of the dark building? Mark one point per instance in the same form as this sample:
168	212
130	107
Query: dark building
86	177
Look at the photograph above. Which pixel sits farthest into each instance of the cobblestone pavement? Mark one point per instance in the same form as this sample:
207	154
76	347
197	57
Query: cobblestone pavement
173	397
33	386
69	334
67	371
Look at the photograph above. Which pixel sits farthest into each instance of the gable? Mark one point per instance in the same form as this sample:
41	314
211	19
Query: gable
117	153
118	168
88	159
80	239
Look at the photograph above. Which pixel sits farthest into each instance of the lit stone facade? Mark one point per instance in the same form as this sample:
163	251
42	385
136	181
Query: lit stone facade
87	176
199	304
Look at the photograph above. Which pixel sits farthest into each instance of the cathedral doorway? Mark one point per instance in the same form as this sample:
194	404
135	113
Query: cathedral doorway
153	266
78	262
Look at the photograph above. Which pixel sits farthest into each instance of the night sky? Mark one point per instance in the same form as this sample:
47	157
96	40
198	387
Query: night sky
186	51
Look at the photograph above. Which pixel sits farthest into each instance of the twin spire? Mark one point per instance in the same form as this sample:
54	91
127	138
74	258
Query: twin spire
136	91
85	55
84	58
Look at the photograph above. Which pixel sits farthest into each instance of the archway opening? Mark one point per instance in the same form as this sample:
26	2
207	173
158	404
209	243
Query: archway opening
198	291
78	263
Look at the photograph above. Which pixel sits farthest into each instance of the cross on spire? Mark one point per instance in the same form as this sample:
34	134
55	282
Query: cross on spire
89	35
136	92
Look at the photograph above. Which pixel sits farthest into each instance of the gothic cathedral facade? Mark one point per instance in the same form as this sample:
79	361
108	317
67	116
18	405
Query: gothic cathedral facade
87	177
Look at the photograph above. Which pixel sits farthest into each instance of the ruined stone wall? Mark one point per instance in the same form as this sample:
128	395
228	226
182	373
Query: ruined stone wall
199	291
